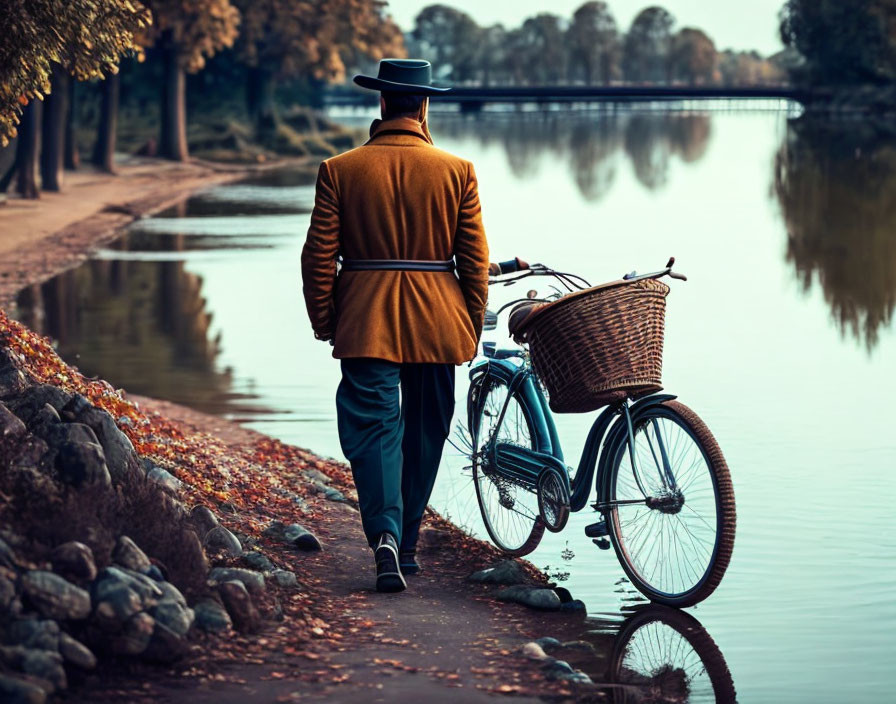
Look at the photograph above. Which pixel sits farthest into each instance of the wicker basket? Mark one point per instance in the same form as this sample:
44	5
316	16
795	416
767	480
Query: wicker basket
600	345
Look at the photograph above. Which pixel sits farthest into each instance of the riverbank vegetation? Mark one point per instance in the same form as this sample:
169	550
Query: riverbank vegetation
163	47
587	48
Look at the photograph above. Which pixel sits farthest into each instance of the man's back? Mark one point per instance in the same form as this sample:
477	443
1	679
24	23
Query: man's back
397	198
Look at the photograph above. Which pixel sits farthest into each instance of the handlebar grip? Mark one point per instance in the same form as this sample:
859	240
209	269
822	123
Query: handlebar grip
511	266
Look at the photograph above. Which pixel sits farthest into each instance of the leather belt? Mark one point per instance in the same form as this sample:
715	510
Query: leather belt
397	265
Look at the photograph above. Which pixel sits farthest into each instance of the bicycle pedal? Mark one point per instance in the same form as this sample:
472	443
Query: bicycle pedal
596	530
602	543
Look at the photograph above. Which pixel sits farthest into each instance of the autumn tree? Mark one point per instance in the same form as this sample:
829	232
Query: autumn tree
647	46
843	42
315	38
693	57
449	38
185	33
45	41
594	45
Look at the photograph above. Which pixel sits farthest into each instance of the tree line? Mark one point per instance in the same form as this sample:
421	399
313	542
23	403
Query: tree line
588	48
47	45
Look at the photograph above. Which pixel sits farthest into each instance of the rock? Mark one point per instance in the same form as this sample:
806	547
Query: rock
7	592
274	530
505	572
333	494
33	398
580	645
434	538
239	605
172	593
561	670
79	456
211	616
548	643
203	518
574	606
55	597
193	551
315	475
7	555
533	597
301	537
10	425
533	651
155	573
253	581
119	452
219	538
285	578
74	560
76	653
12	383
127	554
119	594
173	616
18	691
34	633
44	419
136	634
39	663
166	645
258	561
164	478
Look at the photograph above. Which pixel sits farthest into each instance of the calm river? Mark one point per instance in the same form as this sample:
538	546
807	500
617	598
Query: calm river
782	340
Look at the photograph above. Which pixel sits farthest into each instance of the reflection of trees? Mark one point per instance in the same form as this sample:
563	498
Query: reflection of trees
590	141
837	188
142	325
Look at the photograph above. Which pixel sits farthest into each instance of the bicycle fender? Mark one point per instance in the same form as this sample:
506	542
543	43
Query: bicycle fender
617	434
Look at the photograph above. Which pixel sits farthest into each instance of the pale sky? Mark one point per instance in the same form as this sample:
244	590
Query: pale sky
735	25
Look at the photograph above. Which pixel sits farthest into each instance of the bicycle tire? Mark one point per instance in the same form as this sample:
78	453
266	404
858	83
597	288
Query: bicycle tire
726	515
696	636
536	533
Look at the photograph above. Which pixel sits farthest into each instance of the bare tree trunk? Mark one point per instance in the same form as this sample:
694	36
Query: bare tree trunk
27	149
104	148
72	157
260	100
53	131
173	137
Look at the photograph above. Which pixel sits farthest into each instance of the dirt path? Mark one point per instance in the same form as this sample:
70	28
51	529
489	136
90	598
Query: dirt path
39	238
443	640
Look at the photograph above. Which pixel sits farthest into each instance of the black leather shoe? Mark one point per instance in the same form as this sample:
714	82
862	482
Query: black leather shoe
388	573
407	560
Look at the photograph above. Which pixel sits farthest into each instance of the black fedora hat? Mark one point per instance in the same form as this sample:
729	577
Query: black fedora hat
402	76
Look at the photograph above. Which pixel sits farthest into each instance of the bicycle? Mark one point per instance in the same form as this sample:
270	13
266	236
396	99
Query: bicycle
662	486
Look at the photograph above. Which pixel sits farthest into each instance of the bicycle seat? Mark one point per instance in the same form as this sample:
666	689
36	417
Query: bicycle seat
519	315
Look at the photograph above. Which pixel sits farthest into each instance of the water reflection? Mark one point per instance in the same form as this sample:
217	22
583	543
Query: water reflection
656	655
836	185
142	324
591	142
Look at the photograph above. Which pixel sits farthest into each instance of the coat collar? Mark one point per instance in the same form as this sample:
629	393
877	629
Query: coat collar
400	125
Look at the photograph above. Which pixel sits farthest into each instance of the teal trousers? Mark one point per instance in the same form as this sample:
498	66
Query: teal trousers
393	422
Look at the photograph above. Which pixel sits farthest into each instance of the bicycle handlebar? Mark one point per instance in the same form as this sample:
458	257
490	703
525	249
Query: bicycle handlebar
511	266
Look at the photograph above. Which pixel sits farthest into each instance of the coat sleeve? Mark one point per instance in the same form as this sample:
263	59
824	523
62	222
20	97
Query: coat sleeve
319	257
471	252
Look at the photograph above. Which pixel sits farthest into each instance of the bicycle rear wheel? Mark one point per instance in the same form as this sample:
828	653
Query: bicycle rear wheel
509	510
672	517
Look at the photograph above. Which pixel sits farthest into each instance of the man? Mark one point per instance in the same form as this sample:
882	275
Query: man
406	305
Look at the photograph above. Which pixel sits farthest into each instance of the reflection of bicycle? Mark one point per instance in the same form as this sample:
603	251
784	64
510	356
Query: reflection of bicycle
663	488
664	655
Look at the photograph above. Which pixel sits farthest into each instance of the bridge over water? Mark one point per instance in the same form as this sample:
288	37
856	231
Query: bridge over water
473	98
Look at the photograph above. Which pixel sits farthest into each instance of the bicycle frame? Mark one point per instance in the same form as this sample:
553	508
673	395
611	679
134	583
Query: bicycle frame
525	464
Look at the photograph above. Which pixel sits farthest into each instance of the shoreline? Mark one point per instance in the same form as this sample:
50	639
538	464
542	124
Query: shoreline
44	237
443	634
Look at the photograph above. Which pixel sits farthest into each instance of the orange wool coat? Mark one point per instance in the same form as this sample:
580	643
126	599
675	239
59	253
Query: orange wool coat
397	197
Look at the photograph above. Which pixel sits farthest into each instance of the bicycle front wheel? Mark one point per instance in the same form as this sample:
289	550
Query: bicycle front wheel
671	514
509	510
